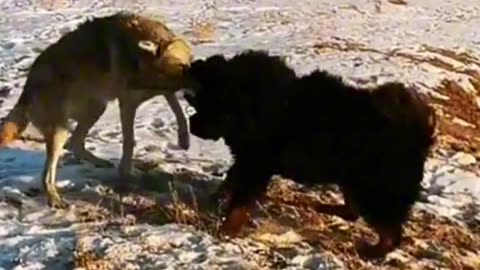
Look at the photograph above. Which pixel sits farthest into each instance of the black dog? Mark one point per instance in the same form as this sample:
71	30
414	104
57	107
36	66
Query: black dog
314	129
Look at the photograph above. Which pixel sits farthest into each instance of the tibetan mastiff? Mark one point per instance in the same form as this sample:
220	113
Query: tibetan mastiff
314	129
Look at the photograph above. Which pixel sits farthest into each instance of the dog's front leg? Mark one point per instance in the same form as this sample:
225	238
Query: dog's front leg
183	132
248	184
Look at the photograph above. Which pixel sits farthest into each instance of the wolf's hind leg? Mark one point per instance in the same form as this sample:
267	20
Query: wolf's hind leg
55	139
76	143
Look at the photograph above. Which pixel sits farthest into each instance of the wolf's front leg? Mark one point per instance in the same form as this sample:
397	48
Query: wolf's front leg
183	132
128	110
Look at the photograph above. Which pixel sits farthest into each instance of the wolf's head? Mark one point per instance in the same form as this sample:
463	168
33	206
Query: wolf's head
162	65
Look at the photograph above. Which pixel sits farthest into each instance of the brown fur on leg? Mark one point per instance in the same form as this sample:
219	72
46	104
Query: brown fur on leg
389	239
235	220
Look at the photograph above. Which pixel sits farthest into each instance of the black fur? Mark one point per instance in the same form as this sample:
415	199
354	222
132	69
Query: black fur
314	129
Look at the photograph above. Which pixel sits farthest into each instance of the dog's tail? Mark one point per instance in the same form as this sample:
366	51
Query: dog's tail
16	121
404	108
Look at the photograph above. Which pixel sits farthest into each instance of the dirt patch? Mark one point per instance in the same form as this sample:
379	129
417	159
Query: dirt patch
458	119
426	237
430	242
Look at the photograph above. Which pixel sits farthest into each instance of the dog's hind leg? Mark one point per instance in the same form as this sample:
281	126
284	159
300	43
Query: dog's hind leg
55	140
385	209
183	131
77	141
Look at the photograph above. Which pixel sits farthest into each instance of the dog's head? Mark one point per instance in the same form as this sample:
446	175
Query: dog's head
213	117
234	97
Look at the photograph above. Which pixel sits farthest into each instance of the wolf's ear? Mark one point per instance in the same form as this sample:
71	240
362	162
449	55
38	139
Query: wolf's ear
148	46
178	51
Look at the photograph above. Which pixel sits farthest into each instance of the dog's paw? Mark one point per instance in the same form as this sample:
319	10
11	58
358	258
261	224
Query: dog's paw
368	251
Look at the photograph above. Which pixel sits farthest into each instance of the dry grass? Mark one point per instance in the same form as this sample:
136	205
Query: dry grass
459	119
203	31
202	27
286	221
88	260
398	2
457	246
378	5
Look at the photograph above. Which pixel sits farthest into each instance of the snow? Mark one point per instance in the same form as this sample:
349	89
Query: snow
365	44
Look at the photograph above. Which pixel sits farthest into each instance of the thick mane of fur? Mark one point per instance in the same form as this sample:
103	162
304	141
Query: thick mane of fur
243	85
314	129
390	106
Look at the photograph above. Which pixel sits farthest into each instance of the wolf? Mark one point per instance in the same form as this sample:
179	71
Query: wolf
122	56
314	129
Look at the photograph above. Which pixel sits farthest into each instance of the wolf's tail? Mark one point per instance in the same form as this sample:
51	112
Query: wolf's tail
16	121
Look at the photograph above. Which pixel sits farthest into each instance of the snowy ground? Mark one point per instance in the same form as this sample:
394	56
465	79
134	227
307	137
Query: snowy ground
421	42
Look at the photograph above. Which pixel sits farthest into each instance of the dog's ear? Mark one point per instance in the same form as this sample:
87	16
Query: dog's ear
207	68
216	61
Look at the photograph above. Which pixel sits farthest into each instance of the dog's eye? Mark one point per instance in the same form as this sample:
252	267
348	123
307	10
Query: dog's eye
228	117
190	110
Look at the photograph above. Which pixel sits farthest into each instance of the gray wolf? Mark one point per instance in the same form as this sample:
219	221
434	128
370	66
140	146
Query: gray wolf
123	56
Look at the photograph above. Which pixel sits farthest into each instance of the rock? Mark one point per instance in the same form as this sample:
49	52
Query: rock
189	257
285	239
314	262
398	258
5	91
460	182
463	159
24	62
7	45
462	122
